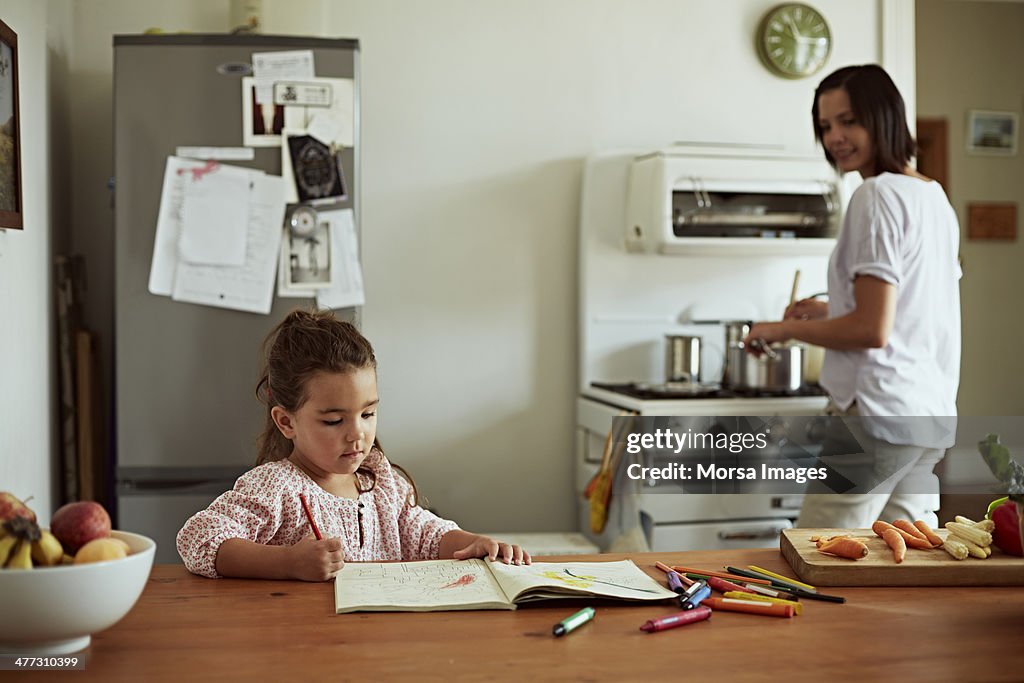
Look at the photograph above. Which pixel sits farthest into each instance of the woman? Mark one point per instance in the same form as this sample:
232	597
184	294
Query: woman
891	327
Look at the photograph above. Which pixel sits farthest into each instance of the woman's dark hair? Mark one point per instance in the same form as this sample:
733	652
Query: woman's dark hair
878	106
303	344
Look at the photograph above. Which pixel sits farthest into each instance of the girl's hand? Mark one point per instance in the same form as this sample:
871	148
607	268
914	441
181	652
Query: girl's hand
806	309
484	546
769	333
313	560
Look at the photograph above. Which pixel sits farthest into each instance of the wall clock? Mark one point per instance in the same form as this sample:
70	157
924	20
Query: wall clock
793	40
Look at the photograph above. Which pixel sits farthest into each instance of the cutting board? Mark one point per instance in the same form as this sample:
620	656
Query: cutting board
920	568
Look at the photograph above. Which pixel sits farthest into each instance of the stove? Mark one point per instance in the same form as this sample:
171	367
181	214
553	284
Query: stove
685	390
629	301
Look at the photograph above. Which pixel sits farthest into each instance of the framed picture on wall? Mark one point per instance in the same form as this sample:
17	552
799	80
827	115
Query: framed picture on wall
10	147
992	132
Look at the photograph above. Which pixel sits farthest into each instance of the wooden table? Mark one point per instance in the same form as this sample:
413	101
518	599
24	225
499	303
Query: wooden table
186	628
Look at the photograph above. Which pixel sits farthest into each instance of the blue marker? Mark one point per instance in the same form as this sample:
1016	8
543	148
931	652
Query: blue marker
695	599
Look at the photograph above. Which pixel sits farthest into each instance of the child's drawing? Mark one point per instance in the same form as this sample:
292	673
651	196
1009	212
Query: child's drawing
463	580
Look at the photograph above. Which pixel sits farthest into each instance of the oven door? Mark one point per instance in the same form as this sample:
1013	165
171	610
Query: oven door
724	535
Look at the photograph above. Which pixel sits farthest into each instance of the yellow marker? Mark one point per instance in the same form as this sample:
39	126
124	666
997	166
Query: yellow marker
780	577
737	595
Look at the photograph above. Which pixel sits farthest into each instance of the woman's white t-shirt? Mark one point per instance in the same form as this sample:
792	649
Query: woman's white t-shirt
902	230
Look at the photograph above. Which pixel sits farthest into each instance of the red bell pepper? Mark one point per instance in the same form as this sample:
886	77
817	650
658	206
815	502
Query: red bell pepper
1006	535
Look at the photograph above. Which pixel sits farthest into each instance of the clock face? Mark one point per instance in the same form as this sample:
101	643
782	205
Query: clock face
793	40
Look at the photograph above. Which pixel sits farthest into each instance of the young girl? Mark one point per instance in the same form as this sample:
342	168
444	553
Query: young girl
320	388
891	327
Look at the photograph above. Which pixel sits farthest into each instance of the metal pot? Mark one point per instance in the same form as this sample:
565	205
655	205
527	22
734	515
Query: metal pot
778	368
682	358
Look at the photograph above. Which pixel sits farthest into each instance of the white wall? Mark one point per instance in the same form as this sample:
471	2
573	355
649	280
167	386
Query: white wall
992	365
26	330
476	119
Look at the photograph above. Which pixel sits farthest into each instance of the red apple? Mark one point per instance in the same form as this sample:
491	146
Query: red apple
11	507
75	524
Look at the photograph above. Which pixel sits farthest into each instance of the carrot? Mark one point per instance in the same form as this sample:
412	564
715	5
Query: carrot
881	527
844	546
909	528
932	537
896	542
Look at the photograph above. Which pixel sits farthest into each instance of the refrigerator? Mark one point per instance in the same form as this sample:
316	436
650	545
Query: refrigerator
185	416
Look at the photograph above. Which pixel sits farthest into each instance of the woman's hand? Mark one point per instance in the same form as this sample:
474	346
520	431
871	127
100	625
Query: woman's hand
768	333
806	309
313	560
475	545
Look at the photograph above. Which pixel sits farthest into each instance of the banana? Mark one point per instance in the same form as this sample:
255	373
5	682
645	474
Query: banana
6	546
21	558
47	551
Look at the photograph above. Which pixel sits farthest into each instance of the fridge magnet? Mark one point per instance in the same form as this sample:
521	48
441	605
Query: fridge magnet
992	132
308	242
10	148
261	123
316	169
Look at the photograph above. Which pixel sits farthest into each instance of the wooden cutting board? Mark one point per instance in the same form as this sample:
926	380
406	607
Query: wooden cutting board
920	568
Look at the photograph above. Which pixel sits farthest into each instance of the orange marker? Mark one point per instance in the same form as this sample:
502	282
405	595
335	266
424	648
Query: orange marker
769	609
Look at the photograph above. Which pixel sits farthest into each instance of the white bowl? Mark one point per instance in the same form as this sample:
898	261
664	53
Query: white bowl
53	610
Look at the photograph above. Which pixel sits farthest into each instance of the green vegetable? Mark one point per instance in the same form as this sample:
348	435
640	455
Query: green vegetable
1005	468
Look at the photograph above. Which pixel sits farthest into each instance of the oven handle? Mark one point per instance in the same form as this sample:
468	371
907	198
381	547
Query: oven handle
750	534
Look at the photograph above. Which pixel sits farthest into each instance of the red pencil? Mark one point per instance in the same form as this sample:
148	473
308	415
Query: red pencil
309	516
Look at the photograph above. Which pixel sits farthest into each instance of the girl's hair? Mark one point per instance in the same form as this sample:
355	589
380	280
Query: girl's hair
878	106
303	344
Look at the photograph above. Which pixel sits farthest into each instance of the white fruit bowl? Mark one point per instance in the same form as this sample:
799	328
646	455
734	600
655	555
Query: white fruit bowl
54	610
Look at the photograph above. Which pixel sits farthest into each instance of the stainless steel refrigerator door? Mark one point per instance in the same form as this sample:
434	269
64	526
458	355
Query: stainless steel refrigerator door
158	502
185	374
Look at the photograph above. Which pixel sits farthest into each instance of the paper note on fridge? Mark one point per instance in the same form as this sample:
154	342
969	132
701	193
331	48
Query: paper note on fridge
346	287
179	179
214	214
290	65
249	287
332	125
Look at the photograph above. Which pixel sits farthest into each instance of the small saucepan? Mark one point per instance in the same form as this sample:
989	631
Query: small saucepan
779	367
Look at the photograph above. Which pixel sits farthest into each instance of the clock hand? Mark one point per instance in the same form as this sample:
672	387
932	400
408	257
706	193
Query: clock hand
793	29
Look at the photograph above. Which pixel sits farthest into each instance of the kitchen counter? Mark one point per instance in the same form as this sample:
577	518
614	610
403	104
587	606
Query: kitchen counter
187	628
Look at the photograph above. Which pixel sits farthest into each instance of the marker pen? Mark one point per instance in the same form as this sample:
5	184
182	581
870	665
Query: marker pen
570	624
677	619
696	598
750	607
674	582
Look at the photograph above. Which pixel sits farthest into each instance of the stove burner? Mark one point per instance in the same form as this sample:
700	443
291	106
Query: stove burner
678	390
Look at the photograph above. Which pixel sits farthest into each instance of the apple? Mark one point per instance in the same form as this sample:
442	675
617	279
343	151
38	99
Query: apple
11	507
75	524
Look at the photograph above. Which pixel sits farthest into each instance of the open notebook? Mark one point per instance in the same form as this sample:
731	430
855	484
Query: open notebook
436	585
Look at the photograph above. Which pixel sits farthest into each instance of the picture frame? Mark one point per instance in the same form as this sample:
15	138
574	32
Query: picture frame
992	132
10	133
